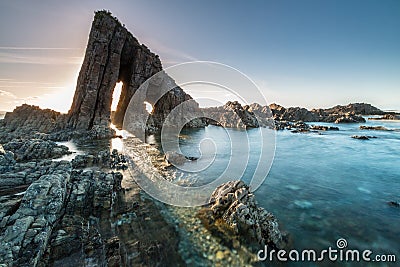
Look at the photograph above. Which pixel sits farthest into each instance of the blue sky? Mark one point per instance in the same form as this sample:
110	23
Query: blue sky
300	53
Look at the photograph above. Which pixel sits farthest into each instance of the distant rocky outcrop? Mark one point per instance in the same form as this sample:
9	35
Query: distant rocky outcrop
338	114
387	117
355	108
374	128
231	115
292	114
234	115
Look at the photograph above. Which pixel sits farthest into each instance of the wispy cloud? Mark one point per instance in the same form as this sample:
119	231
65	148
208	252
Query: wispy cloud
170	56
7	94
40	55
35	59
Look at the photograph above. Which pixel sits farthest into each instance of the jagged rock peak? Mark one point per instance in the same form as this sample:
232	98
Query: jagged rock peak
112	55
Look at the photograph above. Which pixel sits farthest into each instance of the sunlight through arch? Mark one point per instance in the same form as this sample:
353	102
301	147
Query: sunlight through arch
116	96
148	106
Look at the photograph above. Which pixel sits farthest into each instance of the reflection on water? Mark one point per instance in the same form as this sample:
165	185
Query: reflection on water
73	148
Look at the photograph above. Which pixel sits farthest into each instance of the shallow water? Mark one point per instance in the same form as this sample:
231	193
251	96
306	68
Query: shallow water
321	187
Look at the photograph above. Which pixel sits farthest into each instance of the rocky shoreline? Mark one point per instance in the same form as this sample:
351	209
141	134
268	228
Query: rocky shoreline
87	211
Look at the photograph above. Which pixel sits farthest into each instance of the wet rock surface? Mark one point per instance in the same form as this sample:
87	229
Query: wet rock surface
78	215
324	128
104	158
16	177
394	204
27	120
32	149
233	213
26	232
375	128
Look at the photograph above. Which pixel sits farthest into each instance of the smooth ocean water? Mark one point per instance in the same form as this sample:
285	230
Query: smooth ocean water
321	187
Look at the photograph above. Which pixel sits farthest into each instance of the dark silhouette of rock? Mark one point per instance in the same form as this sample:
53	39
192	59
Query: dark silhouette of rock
394	204
114	55
324	128
374	128
363	137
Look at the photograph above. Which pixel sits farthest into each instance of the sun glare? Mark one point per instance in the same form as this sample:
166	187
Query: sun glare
116	95
149	107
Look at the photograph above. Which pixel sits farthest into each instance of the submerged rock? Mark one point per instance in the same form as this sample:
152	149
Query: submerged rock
303	204
363	137
375	128
394	204
324	128
233	212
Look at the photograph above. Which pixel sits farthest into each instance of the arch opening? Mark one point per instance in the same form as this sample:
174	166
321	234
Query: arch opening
116	95
148	107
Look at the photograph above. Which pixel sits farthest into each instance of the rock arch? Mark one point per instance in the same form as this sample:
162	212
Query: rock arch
113	55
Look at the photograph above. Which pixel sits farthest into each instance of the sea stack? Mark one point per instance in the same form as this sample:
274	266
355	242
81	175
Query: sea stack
112	55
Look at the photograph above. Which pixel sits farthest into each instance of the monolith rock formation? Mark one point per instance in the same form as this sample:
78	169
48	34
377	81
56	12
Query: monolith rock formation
114	55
